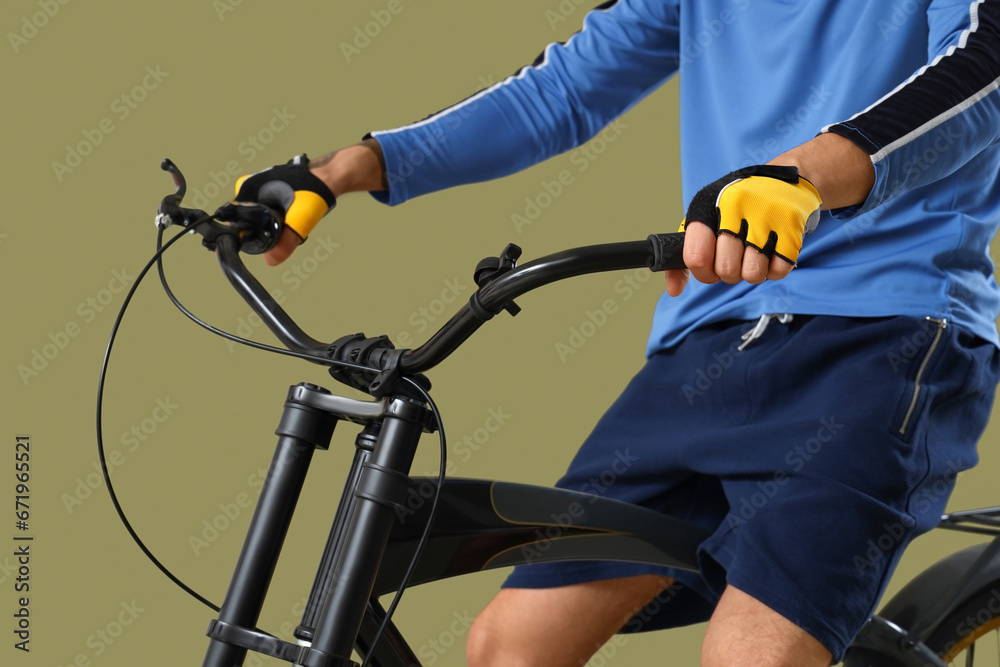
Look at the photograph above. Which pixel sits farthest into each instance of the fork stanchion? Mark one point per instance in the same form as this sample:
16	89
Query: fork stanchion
364	444
381	489
302	429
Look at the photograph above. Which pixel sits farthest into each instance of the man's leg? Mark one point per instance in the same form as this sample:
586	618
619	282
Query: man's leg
563	627
745	632
556	627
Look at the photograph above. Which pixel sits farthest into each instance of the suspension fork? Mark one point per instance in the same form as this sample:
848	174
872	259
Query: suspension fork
377	485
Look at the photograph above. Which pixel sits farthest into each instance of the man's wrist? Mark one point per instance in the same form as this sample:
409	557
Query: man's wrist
840	171
355	168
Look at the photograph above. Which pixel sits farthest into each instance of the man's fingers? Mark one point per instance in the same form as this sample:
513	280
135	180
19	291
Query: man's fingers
755	265
729	252
676	280
779	268
699	251
286	245
712	258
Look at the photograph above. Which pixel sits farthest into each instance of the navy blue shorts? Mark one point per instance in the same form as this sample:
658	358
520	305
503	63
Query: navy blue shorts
815	455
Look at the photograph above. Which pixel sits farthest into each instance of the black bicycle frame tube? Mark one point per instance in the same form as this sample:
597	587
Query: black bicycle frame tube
301	430
367	534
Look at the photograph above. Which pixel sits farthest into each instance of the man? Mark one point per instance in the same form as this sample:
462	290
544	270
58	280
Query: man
819	454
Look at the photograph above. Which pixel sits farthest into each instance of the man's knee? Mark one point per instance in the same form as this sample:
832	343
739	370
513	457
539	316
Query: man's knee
545	627
478	644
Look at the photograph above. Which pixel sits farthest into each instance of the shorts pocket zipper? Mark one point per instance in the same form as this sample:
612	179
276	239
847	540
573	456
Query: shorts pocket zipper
941	324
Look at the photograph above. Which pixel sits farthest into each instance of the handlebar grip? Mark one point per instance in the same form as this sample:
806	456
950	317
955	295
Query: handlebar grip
291	188
668	251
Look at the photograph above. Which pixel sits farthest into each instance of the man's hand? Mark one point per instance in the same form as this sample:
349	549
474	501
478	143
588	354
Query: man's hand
305	191
295	191
749	224
838	172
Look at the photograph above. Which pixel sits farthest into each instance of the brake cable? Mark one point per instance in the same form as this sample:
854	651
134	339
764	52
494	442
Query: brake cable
157	259
100	410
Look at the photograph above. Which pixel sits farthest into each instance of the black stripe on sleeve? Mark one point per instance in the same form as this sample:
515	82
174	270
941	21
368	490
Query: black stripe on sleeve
938	92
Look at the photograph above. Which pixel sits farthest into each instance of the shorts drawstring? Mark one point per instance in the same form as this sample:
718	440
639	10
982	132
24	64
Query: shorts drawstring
761	326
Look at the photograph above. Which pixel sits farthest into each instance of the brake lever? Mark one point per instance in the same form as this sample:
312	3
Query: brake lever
256	226
170	211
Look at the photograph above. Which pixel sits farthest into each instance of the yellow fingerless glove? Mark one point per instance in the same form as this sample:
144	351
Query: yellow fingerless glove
292	189
768	207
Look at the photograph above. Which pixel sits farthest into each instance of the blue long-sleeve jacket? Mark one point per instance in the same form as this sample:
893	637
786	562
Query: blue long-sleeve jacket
913	82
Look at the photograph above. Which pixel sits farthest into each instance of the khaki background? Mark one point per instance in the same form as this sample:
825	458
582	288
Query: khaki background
227	71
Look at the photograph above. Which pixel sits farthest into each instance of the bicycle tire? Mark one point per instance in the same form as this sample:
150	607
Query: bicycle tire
956	634
971	619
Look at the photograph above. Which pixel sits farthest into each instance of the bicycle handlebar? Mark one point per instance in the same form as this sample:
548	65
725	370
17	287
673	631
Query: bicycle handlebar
227	251
658	252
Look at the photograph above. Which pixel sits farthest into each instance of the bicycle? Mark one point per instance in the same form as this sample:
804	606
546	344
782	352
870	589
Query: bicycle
392	530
